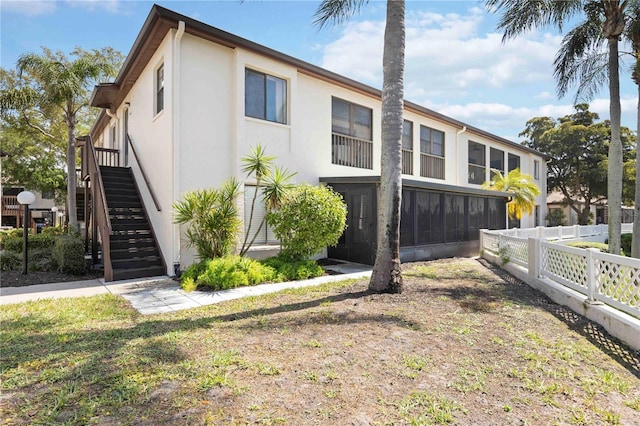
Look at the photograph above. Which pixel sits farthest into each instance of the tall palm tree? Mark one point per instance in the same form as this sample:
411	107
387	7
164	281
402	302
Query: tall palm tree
519	16
387	275
521	186
583	60
60	85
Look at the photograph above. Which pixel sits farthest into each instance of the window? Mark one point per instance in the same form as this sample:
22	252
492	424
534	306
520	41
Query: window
351	134
496	161
159	89
265	97
351	119
536	169
536	216
112	136
514	162
431	153
477	163
266	235
407	147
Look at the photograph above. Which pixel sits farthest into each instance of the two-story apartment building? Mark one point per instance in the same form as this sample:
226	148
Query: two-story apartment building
193	100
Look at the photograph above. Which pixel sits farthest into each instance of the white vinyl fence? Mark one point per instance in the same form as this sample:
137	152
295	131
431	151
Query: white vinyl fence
601	277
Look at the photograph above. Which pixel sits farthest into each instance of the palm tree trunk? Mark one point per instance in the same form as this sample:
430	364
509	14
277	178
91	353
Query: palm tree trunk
387	276
71	174
614	188
635	241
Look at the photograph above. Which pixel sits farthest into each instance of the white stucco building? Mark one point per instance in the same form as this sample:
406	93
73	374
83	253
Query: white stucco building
194	99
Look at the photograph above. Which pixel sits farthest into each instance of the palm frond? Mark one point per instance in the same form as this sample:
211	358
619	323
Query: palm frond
519	16
336	11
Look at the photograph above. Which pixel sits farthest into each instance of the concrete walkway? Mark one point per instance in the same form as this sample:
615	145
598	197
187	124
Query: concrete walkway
162	294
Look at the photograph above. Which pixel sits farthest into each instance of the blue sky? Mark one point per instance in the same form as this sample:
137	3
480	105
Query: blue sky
455	61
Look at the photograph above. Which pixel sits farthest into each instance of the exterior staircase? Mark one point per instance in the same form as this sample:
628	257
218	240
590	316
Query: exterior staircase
133	249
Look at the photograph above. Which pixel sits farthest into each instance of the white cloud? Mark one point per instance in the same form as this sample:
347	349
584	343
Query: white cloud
28	7
444	55
544	95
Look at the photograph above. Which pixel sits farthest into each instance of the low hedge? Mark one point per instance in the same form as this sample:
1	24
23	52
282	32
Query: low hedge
37	241
68	254
226	272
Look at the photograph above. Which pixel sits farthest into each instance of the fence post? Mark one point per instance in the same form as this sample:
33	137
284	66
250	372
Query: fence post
539	231
482	241
592	279
533	264
559	232
576	231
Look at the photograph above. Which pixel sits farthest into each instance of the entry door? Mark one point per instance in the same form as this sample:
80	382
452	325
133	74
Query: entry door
358	243
361	233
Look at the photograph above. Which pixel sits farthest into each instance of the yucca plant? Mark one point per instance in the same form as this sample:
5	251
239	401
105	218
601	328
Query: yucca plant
211	216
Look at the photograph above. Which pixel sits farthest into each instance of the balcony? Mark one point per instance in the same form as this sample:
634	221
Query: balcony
431	166
407	162
351	152
10	206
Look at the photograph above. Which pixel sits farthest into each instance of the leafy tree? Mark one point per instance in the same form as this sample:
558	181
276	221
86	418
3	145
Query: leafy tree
578	147
55	89
211	216
521	186
308	219
387	273
519	16
271	181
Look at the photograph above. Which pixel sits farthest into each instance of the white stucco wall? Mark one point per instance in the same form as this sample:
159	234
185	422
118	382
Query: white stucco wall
199	138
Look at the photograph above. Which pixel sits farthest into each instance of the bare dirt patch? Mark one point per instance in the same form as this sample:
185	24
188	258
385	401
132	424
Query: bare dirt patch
463	344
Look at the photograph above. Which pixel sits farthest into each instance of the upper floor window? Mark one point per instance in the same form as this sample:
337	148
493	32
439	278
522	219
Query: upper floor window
477	163
514	162
351	138
536	169
265	96
431	141
351	119
431	153
496	161
159	89
112	136
407	147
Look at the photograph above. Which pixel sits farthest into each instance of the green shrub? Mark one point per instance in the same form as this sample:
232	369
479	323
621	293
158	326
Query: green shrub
41	260
10	261
289	270
308	219
68	254
52	230
37	241
603	247
226	272
211	217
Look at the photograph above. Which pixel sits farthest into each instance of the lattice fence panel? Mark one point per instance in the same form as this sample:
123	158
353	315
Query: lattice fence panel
568	268
517	249
620	284
490	242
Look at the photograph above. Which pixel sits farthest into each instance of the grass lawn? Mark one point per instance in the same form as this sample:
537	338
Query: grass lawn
464	344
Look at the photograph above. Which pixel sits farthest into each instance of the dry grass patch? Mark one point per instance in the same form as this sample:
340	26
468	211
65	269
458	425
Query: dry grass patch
464	344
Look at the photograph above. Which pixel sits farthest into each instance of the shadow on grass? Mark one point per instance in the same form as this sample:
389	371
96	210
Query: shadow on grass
592	331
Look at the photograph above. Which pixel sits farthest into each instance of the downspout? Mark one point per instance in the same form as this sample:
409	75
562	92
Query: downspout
177	134
458	133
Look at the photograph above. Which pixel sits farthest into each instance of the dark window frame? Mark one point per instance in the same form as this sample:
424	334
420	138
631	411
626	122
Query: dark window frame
476	165
262	112
159	89
427	143
352	114
515	158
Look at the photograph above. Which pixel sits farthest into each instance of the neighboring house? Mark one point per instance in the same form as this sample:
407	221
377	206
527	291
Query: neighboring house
12	215
559	212
191	100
